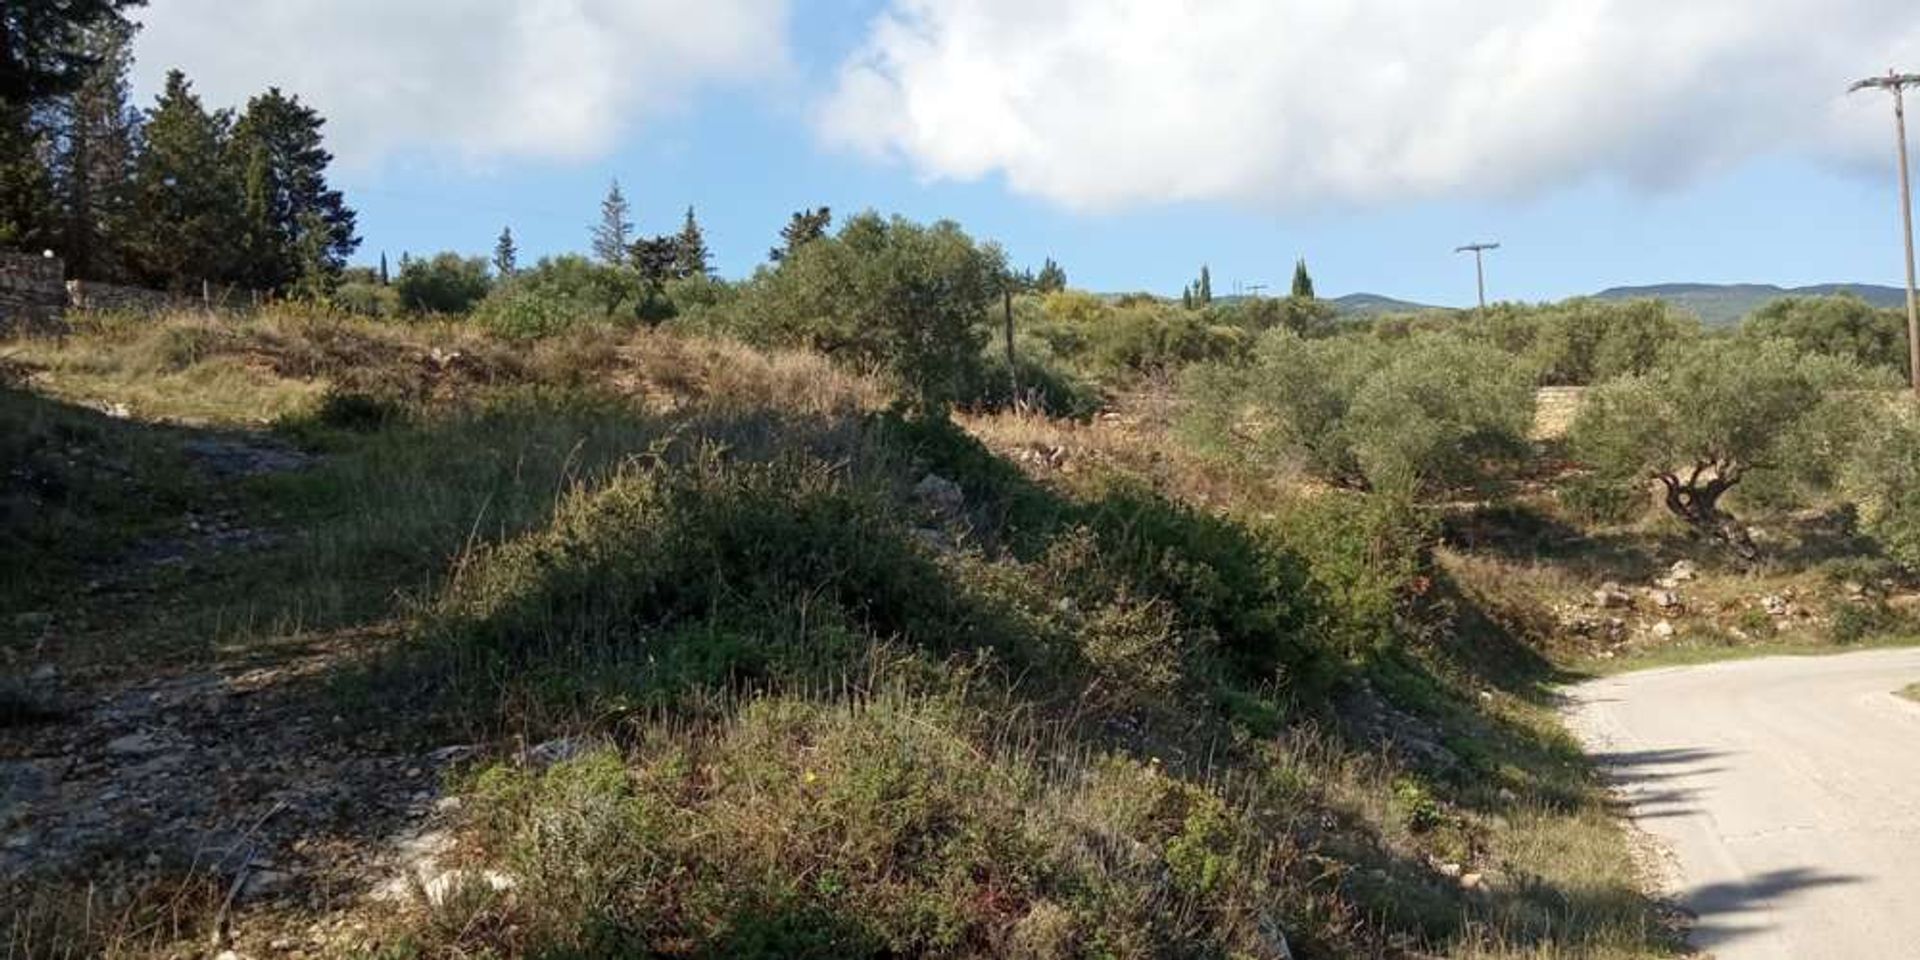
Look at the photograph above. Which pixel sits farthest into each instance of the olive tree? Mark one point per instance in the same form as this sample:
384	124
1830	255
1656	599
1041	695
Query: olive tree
1416	415
885	292
1839	326
1882	479
1712	415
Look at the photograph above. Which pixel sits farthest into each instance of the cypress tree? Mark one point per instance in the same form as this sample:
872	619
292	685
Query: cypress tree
385	277
1186	296
1302	281
506	254
1203	294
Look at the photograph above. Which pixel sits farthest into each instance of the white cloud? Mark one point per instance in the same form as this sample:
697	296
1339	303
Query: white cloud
1287	103
472	80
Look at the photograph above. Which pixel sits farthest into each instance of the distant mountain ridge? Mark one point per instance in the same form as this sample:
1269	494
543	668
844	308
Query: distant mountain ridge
1716	304
1726	304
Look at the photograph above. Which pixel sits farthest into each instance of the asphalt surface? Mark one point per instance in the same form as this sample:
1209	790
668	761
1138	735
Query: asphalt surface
1785	794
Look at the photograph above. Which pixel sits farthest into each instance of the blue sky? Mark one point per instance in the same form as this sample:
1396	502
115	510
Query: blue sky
1583	141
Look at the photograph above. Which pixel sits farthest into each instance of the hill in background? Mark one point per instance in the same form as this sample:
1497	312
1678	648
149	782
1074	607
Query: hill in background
1716	304
1726	304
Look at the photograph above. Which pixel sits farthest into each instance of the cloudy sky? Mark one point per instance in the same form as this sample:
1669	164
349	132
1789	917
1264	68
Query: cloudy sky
1603	141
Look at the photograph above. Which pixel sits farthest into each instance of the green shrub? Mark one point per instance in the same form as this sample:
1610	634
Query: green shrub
559	294
446	283
357	412
1859	622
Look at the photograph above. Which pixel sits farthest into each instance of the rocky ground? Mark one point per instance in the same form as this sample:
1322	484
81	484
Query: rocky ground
235	782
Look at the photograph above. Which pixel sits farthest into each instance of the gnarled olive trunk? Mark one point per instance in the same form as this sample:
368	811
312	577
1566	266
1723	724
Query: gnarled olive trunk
1696	500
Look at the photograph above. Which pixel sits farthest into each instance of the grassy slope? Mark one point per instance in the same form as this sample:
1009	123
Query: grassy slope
822	713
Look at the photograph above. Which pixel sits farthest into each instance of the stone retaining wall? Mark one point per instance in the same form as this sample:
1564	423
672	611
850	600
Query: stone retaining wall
33	293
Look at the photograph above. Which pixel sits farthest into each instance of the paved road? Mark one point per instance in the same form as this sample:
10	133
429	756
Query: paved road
1787	792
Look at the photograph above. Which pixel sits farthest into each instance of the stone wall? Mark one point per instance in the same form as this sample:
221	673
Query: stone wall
90	296
33	293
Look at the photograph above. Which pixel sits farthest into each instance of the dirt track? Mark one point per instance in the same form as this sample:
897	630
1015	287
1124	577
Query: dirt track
1787	792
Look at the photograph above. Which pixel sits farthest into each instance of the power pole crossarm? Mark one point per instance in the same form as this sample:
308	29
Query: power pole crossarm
1479	251
1897	84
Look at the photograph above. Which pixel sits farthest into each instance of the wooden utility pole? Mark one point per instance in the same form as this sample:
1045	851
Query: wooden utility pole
1479	251
1897	84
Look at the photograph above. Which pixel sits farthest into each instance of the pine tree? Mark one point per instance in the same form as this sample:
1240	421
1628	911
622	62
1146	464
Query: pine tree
692	258
506	254
97	147
612	236
804	227
43	45
278	145
1203	294
1302	281
186	203
1052	278
28	213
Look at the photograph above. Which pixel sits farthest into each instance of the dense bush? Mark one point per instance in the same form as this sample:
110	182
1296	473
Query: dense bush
560	293
1838	326
446	283
1422	414
1883	478
889	293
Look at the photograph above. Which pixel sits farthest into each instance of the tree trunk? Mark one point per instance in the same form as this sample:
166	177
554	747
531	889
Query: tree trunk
1698	503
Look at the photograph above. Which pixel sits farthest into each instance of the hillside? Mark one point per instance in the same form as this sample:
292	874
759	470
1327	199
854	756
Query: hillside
1373	305
1728	304
1714	304
343	637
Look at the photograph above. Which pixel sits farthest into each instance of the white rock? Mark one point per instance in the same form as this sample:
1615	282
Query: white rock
454	884
1683	571
1664	630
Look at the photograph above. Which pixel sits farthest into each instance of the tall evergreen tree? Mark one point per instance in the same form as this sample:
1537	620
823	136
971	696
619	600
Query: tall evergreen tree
1203	293
1052	278
43	45
28	214
506	254
1302	281
98	145
298	230
1186	296
612	237
385	277
692	256
805	227
186	204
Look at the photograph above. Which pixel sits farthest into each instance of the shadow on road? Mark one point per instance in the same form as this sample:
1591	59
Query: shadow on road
1727	911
